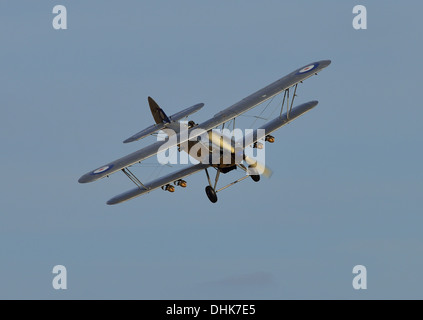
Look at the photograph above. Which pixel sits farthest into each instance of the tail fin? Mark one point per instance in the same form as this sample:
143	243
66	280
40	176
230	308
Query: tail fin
157	112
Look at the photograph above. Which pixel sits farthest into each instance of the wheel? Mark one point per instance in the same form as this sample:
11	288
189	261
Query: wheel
255	177
211	194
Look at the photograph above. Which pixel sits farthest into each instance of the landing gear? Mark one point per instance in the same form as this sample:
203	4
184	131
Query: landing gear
211	194
252	173
255	177
210	191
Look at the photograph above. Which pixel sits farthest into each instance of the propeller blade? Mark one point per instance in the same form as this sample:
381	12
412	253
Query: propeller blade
255	167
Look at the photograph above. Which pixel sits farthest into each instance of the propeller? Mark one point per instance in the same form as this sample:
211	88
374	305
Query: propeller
257	168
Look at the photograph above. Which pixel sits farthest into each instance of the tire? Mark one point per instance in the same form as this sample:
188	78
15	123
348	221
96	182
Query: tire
211	194
255	177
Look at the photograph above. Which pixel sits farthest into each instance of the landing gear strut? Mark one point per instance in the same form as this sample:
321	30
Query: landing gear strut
210	191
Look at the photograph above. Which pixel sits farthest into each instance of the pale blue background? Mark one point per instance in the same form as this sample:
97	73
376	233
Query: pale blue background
347	180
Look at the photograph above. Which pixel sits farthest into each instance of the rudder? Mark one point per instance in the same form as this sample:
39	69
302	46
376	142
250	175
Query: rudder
158	114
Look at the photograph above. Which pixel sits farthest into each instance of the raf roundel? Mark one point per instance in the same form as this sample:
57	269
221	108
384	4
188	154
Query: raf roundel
307	68
102	169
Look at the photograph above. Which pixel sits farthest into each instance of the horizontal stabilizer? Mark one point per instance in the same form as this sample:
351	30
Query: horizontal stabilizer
162	125
146	132
186	112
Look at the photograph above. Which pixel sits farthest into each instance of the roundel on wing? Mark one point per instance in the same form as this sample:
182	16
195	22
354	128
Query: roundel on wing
307	68
102	169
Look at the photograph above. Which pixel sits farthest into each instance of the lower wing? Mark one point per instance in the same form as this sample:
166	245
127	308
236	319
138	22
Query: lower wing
162	181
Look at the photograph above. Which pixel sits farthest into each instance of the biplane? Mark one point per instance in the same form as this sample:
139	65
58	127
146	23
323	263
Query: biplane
217	143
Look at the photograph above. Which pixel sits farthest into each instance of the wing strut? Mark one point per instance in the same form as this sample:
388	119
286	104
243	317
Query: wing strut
133	178
286	97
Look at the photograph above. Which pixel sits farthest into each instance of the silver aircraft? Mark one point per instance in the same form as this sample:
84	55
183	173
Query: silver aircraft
219	144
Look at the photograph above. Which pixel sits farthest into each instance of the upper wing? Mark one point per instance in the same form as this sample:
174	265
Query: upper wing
186	112
157	183
220	118
146	132
266	93
275	124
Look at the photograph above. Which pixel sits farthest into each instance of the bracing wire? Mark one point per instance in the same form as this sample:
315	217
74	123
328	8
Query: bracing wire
262	111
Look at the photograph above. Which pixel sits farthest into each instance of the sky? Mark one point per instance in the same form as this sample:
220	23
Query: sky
347	180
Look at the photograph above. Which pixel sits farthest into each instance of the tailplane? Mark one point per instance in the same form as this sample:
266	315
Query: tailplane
162	120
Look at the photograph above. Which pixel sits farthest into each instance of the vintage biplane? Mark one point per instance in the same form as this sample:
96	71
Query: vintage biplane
218	143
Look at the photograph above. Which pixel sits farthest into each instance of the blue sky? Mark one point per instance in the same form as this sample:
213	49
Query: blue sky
347	179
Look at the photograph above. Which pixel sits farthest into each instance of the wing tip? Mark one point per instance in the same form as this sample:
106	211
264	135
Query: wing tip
325	63
116	200
309	104
84	179
128	140
90	177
